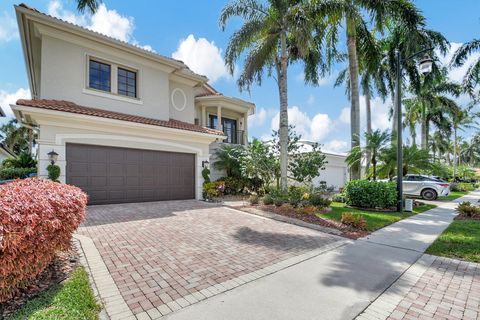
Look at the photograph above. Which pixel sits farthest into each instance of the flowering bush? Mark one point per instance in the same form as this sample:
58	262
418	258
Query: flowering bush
37	218
354	220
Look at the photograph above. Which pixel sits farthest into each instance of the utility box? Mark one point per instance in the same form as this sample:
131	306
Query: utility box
408	205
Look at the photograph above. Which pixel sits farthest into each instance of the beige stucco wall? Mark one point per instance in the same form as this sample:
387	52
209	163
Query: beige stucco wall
55	134
335	173
64	77
177	92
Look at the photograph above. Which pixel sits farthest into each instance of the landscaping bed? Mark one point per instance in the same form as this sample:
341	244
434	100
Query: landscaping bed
61	291
332	217
374	219
316	219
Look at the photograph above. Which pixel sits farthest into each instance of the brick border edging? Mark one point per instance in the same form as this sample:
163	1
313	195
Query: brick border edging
113	302
383	306
280	218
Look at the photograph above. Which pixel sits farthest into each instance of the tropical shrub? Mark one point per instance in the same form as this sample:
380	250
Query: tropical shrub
468	210
354	220
462	187
213	189
268	200
339	197
318	200
234	185
53	172
253	199
307	210
206	175
370	194
22	160
16	173
295	195
37	219
279	201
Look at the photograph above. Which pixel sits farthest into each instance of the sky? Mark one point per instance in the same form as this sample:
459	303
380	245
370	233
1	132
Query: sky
189	31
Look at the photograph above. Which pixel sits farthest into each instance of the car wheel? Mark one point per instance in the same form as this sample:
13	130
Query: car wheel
429	194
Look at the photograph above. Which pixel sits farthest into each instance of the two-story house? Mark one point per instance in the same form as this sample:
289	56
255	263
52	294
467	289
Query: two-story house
128	125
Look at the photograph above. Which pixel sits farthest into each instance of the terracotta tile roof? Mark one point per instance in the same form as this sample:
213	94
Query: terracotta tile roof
67	106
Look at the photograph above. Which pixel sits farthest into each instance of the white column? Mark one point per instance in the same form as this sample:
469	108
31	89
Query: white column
219	118
204	116
245	128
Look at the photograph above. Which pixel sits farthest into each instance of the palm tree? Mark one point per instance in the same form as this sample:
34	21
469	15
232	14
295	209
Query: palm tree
91	5
472	77
461	119
376	143
438	143
408	40
273	35
356	15
227	158
17	138
430	103
415	160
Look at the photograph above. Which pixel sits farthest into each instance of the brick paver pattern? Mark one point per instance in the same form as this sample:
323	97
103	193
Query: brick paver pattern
449	289
158	252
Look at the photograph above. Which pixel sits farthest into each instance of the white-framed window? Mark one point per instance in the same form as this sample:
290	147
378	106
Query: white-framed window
109	77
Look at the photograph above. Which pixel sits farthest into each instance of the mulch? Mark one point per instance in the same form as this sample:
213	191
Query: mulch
464	217
347	231
59	270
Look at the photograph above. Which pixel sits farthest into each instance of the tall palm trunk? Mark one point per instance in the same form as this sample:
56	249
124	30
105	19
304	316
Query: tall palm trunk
454	152
354	92
374	165
424	133
283	126
369	125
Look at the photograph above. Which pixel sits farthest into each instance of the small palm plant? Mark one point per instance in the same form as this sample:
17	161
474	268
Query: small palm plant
228	158
376	143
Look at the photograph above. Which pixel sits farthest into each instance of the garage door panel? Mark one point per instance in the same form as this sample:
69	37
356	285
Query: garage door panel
97	169
116	175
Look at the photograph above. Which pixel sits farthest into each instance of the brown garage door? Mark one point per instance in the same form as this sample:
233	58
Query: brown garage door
116	175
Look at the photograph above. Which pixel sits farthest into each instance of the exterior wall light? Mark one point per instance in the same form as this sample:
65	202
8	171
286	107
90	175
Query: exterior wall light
205	164
52	156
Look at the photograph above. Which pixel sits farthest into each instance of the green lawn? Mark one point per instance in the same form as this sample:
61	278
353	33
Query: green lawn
72	300
374	220
460	240
453	195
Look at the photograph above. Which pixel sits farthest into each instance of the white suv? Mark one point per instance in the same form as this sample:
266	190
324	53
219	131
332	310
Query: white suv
428	188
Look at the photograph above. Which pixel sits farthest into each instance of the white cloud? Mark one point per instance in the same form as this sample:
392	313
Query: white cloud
336	146
8	28
105	21
380	114
7	98
258	119
203	57
315	129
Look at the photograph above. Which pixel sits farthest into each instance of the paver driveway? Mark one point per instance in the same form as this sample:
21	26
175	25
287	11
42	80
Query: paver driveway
159	252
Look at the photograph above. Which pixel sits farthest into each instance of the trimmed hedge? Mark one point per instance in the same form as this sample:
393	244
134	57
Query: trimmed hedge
370	194
37	219
8	173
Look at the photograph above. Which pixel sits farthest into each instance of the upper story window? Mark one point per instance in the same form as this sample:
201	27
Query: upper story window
99	76
127	83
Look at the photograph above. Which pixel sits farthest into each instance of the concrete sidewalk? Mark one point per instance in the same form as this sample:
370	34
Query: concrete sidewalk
339	284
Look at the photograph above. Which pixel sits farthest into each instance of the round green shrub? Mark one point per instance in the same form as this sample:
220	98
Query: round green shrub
370	194
53	172
254	199
267	200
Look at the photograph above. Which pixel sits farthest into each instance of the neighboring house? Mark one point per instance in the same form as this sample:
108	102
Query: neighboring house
336	171
129	125
5	153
